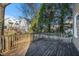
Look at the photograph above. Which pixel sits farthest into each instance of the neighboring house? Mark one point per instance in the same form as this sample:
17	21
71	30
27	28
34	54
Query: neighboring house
24	25
8	23
20	24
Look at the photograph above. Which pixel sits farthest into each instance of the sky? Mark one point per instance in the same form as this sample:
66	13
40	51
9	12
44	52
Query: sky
12	11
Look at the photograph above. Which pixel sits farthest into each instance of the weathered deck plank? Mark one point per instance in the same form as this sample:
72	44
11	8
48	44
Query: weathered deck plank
51	48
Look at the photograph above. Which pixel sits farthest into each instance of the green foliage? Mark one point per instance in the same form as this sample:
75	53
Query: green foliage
34	23
41	22
64	10
45	17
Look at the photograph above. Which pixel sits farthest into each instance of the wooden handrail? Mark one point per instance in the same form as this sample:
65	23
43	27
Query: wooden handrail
9	42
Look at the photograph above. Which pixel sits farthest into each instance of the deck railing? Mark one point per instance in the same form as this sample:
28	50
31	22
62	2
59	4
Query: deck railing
52	36
9	42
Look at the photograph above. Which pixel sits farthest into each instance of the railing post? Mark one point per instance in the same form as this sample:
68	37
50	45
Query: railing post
3	43
0	45
7	43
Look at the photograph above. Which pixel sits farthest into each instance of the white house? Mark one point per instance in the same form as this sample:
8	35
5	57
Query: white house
9	22
24	25
20	24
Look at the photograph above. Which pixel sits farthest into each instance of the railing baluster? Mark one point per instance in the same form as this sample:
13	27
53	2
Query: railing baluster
49	36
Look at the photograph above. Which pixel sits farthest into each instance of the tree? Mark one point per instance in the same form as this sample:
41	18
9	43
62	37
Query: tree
51	13
34	23
27	9
65	10
45	17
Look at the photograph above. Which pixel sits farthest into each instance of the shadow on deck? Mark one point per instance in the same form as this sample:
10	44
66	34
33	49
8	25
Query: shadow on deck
44	47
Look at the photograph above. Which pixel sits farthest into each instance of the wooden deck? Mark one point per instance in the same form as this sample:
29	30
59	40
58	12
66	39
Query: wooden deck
44	47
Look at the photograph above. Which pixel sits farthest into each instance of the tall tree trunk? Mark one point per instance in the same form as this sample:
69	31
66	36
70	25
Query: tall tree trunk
49	30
